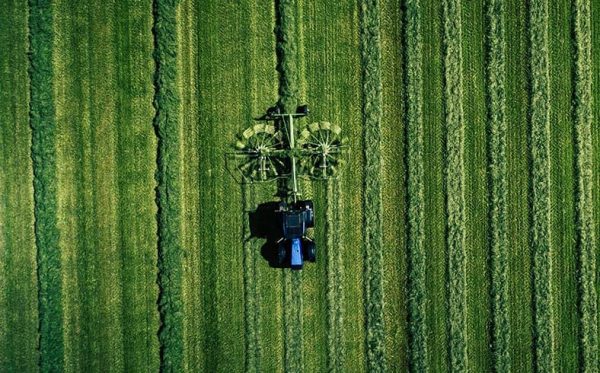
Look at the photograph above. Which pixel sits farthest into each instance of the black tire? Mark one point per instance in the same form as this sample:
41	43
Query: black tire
310	213
281	253
310	251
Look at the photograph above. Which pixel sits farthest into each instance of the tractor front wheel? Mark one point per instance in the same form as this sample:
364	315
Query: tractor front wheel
310	251
281	253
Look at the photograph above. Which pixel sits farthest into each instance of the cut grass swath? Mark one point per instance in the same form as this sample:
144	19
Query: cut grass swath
43	153
335	316
372	198
584	163
414	134
251	316
455	184
166	102
496	103
540	152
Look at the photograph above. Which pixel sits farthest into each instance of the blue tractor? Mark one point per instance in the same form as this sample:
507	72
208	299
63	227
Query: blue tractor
294	247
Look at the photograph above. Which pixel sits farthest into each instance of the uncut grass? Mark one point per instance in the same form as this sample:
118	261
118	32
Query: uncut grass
496	115
136	159
393	143
435	219
18	294
332	76
477	232
595	25
562	179
455	184
519	262
584	172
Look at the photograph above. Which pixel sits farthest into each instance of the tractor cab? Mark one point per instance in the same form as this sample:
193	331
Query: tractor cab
294	245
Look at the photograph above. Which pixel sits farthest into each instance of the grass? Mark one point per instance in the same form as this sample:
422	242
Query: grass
584	160
168	190
414	114
455	185
496	75
371	65
43	154
540	133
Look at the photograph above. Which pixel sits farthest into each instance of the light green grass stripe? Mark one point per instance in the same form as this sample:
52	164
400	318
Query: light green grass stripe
540	151
413	56
496	102
43	153
372	198
455	184
168	197
585	178
251	315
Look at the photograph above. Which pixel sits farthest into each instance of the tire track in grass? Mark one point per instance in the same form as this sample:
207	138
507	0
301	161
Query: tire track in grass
496	103
43	153
583	116
415	188
540	136
455	184
372	225
18	281
166	102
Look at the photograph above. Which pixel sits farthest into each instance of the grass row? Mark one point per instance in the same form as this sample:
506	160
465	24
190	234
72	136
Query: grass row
540	148
413	56
455	184
372	198
168	197
43	154
496	97
251	315
584	168
335	315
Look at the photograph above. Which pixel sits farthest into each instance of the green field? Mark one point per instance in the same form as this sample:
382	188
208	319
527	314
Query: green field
463	234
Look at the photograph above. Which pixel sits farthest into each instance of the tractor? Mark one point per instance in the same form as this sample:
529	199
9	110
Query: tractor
273	150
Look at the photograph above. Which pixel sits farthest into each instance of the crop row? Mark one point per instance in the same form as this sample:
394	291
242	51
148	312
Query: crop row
455	184
335	322
585	218
168	197
540	151
372	112
414	138
496	75
43	153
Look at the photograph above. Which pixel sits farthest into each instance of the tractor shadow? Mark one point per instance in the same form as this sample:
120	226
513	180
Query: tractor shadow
264	224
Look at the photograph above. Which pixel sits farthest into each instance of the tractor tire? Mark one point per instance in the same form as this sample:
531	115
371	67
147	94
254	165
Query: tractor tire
281	253
310	212
310	251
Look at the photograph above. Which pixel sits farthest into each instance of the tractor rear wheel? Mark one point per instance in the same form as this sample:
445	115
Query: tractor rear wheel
310	251
310	212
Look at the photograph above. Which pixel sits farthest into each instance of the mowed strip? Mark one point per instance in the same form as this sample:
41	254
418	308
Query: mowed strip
18	277
166	123
455	184
413	57
585	173
496	105
595	27
43	152
372	197
540	136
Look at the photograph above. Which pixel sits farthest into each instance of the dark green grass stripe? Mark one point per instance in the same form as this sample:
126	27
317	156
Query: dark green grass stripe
414	117
584	166
540	151
43	153
372	113
455	184
168	197
496	79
